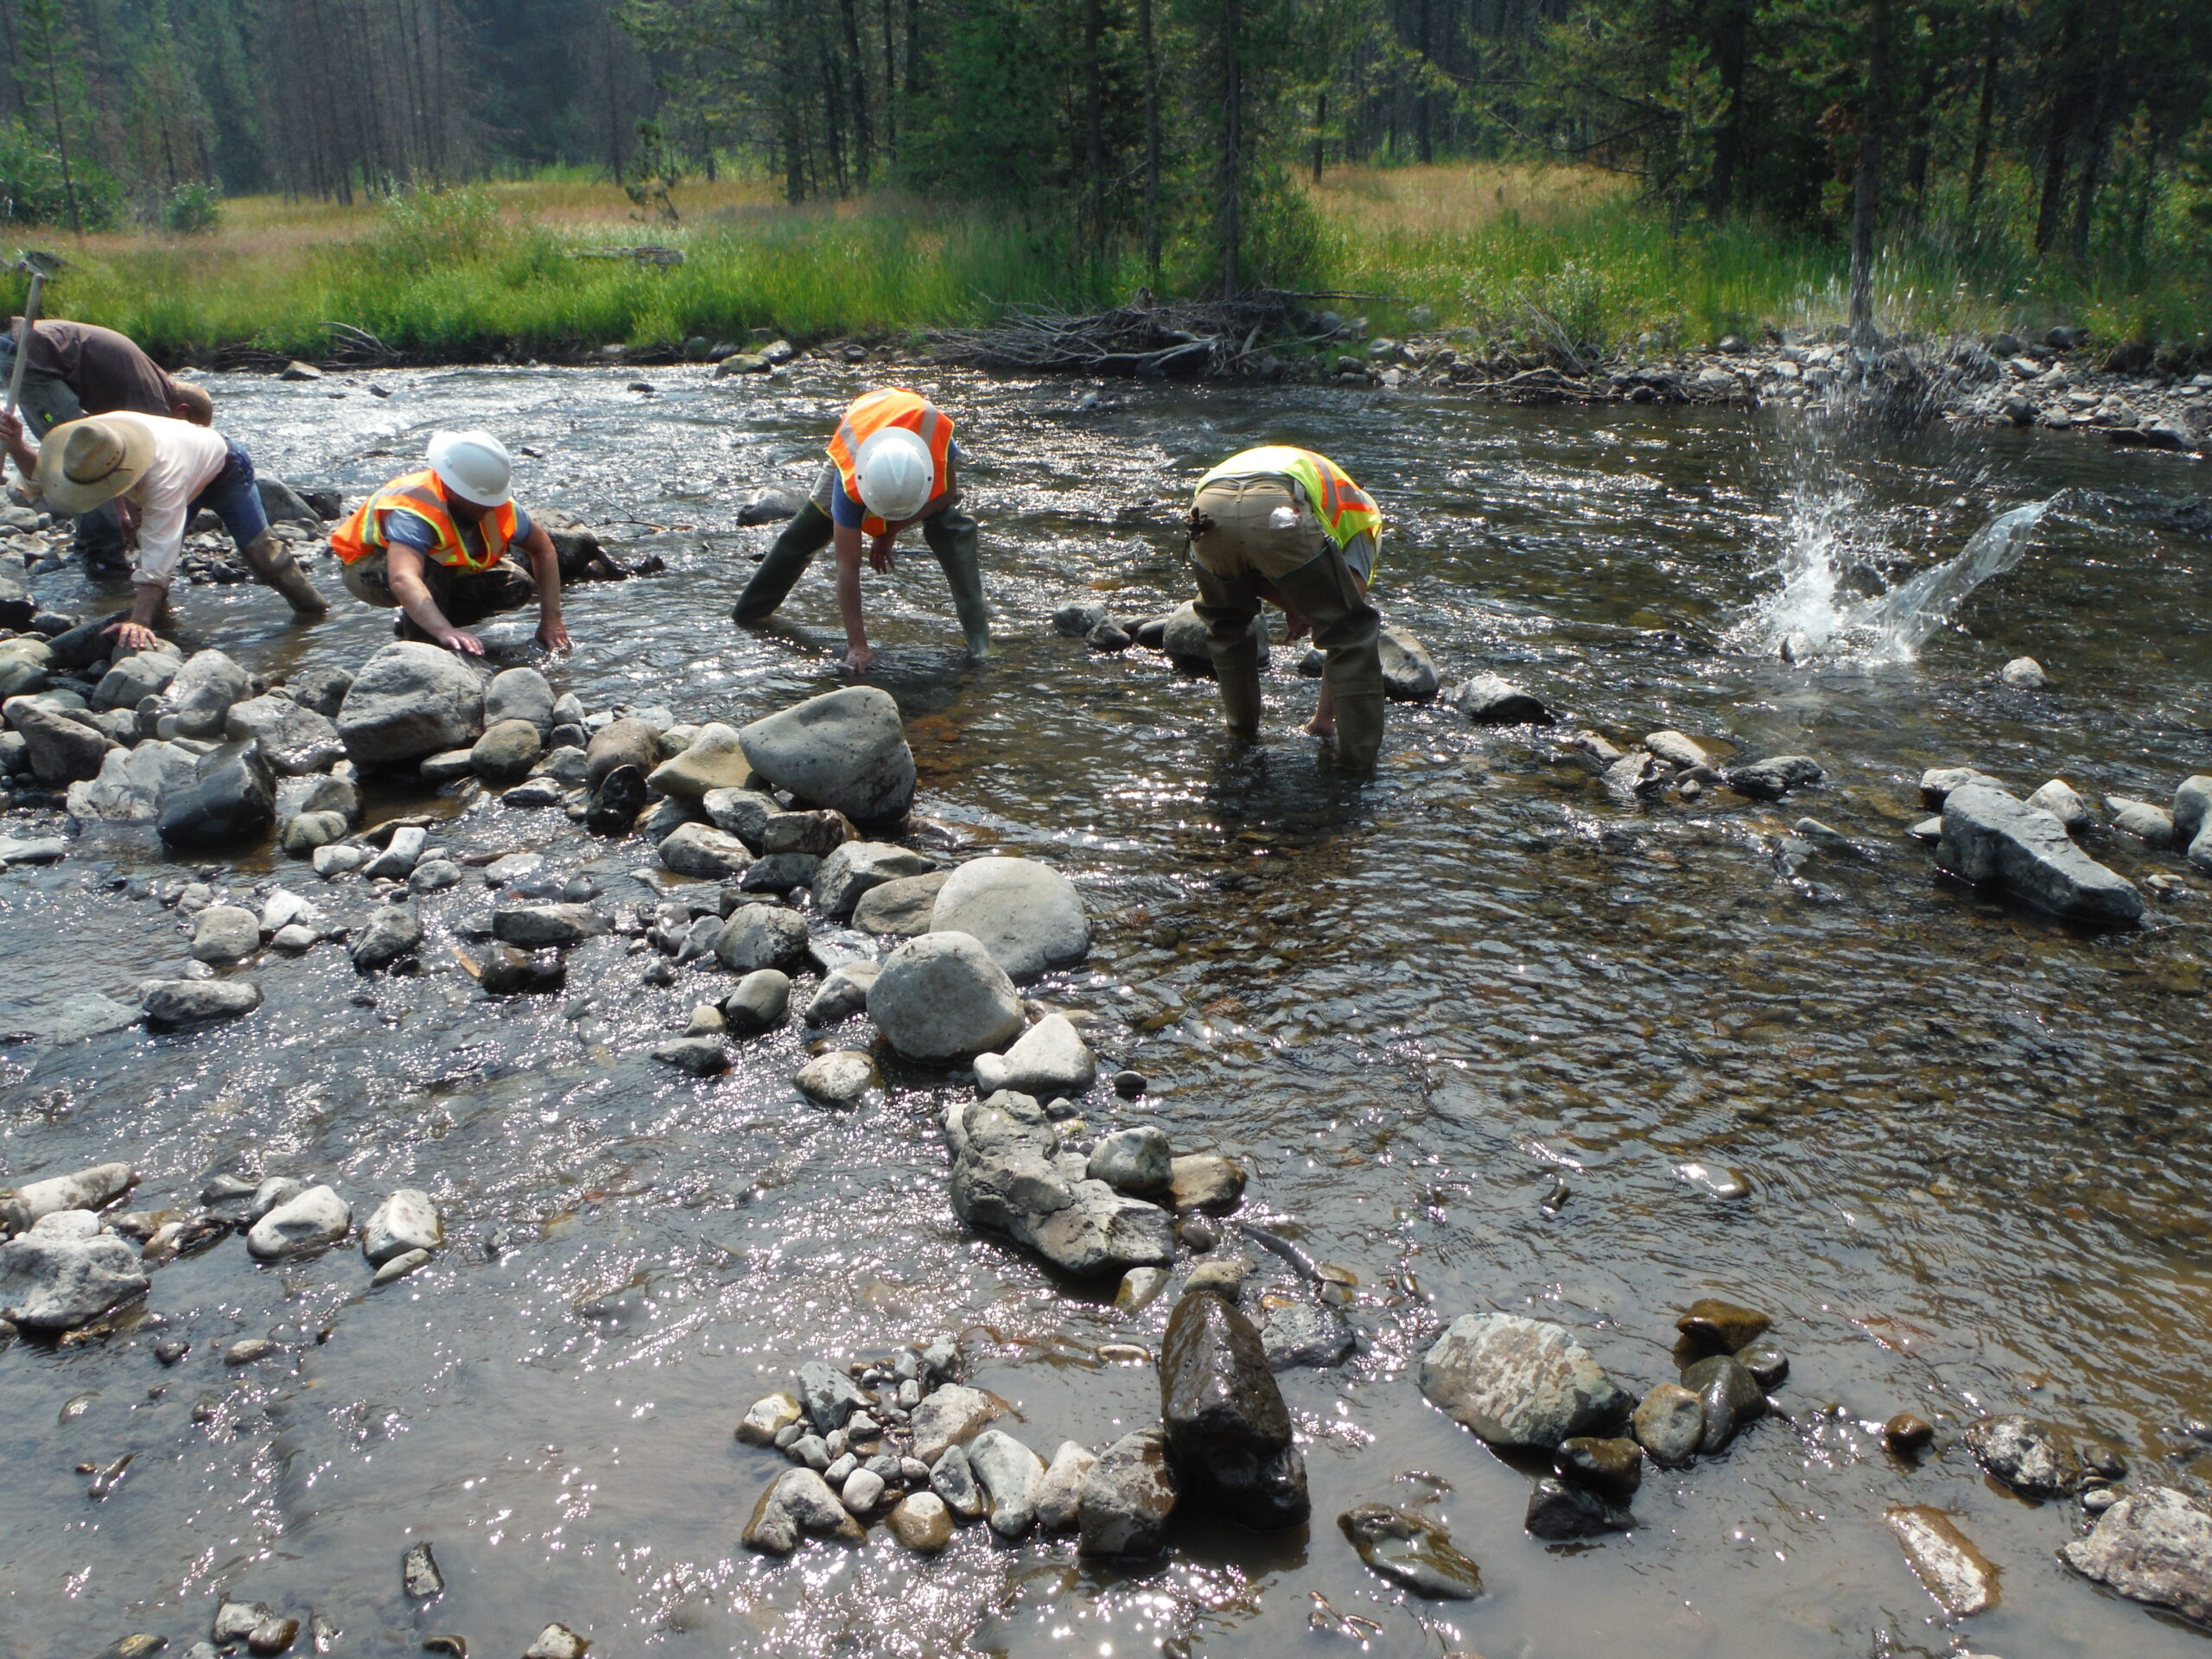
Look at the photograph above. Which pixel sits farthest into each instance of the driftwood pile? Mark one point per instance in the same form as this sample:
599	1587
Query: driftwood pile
1148	338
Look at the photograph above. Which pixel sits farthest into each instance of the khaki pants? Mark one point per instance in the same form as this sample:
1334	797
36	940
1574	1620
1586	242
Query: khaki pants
463	597
1255	537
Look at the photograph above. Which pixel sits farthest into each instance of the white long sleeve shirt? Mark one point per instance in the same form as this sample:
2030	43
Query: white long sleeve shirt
186	459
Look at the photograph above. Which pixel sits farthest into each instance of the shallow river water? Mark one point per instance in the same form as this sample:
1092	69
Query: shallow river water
1973	1136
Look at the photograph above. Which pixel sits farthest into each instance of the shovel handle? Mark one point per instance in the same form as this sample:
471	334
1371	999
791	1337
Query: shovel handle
23	342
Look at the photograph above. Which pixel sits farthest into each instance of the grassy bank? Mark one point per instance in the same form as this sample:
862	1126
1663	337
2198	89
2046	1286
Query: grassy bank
1514	252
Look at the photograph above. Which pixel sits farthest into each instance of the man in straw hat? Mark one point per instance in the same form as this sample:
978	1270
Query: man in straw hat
436	545
160	471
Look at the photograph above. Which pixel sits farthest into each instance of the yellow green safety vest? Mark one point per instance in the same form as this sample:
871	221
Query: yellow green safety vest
1344	509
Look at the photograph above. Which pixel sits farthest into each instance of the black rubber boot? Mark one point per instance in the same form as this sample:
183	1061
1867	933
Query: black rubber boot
1348	629
616	802
956	539
804	537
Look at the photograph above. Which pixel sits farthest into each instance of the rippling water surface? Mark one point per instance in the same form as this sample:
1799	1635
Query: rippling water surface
1979	1177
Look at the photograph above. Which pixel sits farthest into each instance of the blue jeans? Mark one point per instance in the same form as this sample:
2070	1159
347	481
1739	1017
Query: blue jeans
235	498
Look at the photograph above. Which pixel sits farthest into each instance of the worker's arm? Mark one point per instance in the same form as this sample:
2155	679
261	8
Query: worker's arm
859	657
19	448
402	568
545	565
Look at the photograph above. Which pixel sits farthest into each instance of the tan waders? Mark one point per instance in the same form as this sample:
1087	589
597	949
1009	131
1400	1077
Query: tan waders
276	568
1250	531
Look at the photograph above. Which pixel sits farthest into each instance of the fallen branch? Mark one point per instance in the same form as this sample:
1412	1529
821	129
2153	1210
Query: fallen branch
1146	339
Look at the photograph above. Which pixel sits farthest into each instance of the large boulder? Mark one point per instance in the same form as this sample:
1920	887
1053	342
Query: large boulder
859	866
620	743
62	750
1227	1428
2153	1546
844	749
133	783
1006	1177
519	694
202	695
66	1272
942	998
714	760
1027	915
1409	673
1519	1381
1990	836
231	799
410	700
292	737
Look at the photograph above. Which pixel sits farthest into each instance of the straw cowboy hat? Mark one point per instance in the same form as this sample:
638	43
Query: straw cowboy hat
85	463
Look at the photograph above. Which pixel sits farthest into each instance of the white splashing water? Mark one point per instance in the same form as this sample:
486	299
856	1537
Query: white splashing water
1814	611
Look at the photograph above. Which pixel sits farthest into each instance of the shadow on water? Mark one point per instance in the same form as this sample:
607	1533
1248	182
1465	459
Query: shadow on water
1465	1023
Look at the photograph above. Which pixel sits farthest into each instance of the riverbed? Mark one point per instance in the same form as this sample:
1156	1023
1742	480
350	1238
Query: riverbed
1415	1007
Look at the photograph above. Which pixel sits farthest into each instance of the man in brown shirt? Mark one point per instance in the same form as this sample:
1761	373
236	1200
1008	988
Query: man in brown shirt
77	369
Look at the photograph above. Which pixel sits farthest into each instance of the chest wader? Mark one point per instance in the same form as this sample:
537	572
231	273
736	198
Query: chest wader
951	533
275	567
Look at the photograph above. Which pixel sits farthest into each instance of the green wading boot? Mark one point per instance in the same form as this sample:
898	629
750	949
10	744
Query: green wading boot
1348	630
804	537
1238	667
274	568
953	537
1359	730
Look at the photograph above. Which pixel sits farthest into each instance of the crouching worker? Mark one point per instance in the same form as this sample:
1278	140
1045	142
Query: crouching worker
1290	527
891	466
158	471
436	546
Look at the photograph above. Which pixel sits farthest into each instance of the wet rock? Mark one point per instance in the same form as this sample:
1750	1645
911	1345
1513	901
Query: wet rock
922	1522
619	743
399	1267
759	1002
1141	1287
556	1641
1126	1498
294	740
831	1397
843	994
1612	1467
131	679
1411	1550
1004	1179
1300	1334
231	799
1937	783
399	854
419	1578
951	1416
1559	1512
1183	636
132	784
1677	750
1409	673
406	1221
702	1057
699	850
1076	620
508	749
1777	776
225	933
712	761
1049	1058
1224	1277
1227	1426
86	1189
322	690
1958	1575
952	1479
1766	1363
318	1217
195	1002
234	1620
761	935
2155	1547
2192	811
845	750
533	926
506	972
1989	837
769	505
1518	1381
61	751
1027	914
1009	1474
1059	1492
820	833
942	997
2028	1457
1487	700
201	693
1721	1327
858	866
2023	674
768	1417
740	812
1905	1433
390	933
66	1272
2152	825
434	875
309	832
269	1194
840	1077
1207	1181
2058	799
1136	1160
410	700
1729	1396
781	872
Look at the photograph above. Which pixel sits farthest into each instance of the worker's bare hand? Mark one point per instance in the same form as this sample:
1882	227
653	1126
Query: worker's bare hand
133	635
859	659
11	428
881	556
553	636
467	644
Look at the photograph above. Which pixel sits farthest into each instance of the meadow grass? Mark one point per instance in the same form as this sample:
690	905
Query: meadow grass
1509	253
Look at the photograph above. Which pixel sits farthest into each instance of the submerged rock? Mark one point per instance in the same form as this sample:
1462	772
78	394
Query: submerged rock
1488	700
2028	1457
1127	1497
1300	1334
66	1272
1557	1512
1721	1327
2154	1545
1411	1550
1989	837
798	1503
1772	778
1227	1426
1728	1395
1958	1575
1518	1381
845	750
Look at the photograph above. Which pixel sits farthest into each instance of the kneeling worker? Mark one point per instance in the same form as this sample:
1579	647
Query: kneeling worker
435	545
158	471
1290	527
891	465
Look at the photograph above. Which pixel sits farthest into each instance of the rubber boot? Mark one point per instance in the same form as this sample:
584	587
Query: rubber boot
1238	667
1348	630
274	568
805	536
953	537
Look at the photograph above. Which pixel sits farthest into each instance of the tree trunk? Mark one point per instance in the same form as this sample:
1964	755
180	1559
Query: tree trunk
856	77
913	50
1867	190
1916	157
1730	29
1321	130
1094	129
890	87
1424	144
1230	220
1151	140
2100	140
1984	112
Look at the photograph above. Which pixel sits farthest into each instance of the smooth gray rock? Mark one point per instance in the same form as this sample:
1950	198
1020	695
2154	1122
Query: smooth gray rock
2059	798
901	908
88	1015
1009	1474
1061	1490
1298	1335
839	1078
714	760
702	1056
399	854
701	850
941	998
195	1002
1184	637
406	1221
1027	914
2153	1546
318	1217
390	933
1049	1059
762	936
201	693
1774	777
780	872
533	926
1488	700
62	750
2192	809
620	743
66	1272
1669	1423
845	749
843	994
86	1189
1937	782
410	700
2024	674
1409	672
1136	1160
322	690
859	866
225	933
508	749
130	680
1127	1497
132	783
951	1416
1989	837
740	812
2151	825
519	694
1519	1381
758	1003
292	739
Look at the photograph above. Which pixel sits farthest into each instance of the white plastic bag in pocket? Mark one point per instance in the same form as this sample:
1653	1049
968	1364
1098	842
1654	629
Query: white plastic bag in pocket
1283	519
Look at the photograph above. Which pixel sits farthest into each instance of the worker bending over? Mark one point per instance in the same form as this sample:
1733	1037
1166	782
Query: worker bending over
76	369
436	545
891	465
159	472
1290	527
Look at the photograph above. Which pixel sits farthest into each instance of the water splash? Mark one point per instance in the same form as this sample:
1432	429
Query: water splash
1817	611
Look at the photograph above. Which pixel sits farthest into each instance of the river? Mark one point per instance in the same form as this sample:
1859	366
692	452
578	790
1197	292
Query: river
1973	1136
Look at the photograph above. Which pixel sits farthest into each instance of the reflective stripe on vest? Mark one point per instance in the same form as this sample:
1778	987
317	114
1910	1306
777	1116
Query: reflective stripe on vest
363	534
1344	509
892	406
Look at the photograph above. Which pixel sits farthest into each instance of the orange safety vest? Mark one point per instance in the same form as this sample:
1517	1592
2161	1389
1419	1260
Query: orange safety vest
362	534
892	406
1344	509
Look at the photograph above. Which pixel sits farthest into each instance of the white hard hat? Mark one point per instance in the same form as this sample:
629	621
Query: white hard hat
894	472
474	466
